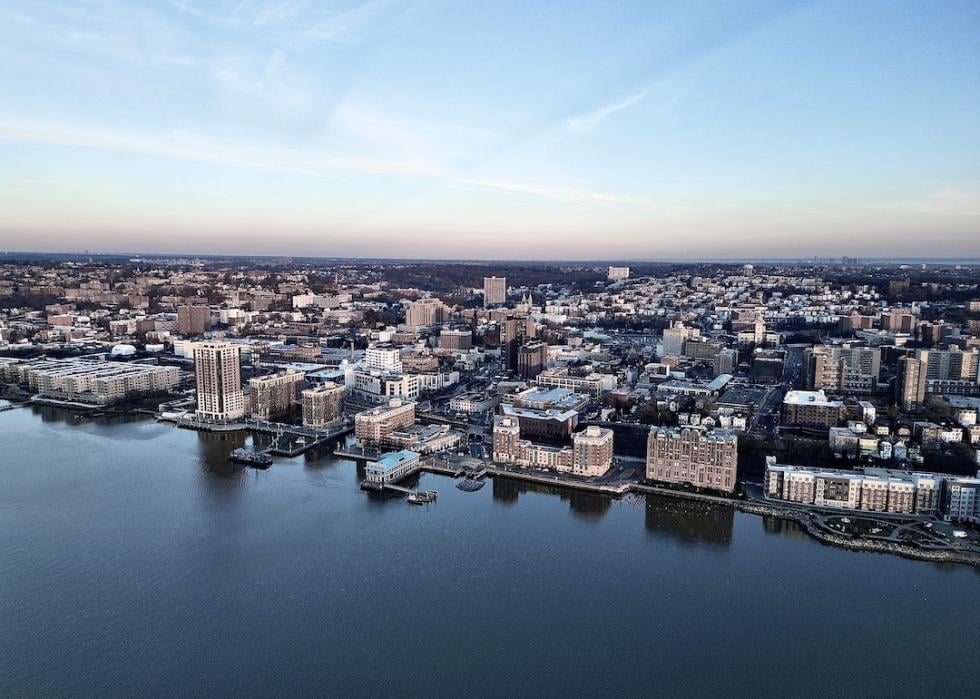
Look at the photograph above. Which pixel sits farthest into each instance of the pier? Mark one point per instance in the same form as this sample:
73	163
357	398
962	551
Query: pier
289	440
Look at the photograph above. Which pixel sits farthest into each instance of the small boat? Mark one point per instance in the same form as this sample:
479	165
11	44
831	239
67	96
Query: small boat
257	459
422	497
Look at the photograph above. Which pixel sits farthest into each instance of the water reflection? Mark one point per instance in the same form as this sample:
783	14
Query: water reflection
214	448
784	527
689	521
582	503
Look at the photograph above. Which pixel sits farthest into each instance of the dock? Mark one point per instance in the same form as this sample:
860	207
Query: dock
290	440
357	453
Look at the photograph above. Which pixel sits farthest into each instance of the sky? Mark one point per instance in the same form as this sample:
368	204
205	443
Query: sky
491	130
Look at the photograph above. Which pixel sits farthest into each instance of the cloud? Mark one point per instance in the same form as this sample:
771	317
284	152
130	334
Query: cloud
556	194
290	19
587	122
951	199
184	145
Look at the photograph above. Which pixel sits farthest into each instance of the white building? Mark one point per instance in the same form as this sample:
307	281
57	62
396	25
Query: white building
616	274
391	467
383	359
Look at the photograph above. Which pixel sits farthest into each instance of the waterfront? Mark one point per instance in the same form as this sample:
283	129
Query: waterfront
133	559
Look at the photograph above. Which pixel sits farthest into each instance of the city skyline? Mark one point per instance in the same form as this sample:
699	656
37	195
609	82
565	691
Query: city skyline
422	130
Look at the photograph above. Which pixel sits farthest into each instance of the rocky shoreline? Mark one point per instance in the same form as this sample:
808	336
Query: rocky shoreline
805	520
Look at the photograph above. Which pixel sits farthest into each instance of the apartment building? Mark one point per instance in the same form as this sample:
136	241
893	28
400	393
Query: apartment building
590	453
494	291
274	397
218	372
693	456
811	409
374	425
873	490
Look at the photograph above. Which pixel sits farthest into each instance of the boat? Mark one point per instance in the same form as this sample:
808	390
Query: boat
422	497
257	459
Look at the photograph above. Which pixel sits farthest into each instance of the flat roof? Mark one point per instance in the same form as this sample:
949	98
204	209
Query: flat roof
394	459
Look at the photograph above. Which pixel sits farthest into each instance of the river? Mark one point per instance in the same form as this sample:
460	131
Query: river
133	561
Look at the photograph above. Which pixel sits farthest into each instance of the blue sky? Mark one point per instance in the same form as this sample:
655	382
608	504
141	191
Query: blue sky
436	128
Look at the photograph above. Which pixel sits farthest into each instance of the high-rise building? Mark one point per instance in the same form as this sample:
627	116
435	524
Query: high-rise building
494	291
512	333
693	456
616	274
193	320
532	358
456	339
844	369
674	338
274	397
323	405
898	320
426	312
219	382
725	362
928	372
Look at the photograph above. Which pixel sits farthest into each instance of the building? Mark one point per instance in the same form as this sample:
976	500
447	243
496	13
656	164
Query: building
617	274
898	320
193	320
87	381
274	397
323	405
513	331
219	382
590	453
391	467
811	409
844	369
554	426
593	451
961	502
426	312
374	425
474	402
494	291
532	358
378	386
383	359
591	384
425	439
692	456
870	489
457	340
674	338
936	372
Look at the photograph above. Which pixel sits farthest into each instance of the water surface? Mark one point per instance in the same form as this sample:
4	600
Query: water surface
134	561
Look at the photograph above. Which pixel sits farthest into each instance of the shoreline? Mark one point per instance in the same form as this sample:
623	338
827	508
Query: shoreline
803	517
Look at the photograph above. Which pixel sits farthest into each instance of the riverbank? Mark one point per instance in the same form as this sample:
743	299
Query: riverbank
809	520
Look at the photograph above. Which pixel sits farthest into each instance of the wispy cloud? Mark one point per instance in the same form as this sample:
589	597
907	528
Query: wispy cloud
189	146
550	193
950	199
289	19
186	145
588	122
